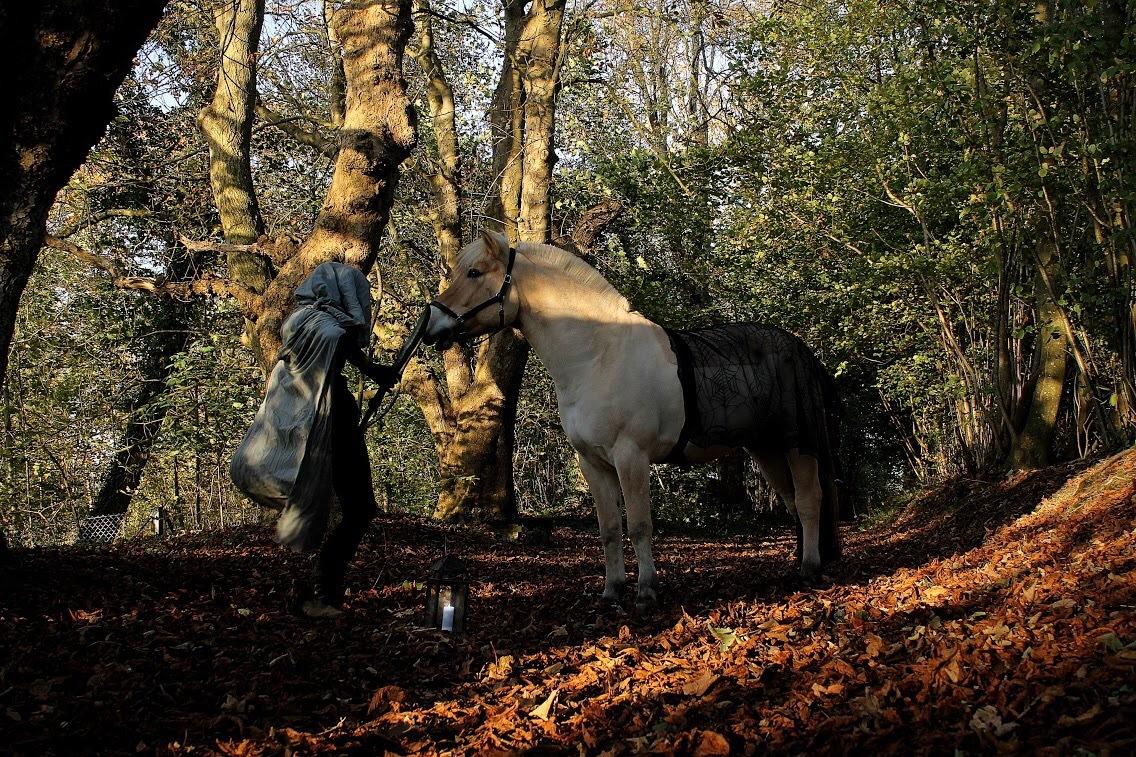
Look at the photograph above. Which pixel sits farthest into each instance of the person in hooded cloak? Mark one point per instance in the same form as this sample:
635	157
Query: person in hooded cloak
306	443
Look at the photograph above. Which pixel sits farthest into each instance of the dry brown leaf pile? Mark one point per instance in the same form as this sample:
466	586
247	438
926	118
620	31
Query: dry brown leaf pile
989	618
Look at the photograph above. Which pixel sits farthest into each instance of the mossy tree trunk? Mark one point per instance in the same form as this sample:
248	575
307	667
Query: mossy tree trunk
226	125
473	417
1034	442
379	131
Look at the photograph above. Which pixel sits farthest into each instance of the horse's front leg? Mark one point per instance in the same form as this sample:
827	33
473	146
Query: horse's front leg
634	469
604	486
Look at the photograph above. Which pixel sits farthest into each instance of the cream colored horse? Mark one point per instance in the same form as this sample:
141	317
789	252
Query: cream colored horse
617	388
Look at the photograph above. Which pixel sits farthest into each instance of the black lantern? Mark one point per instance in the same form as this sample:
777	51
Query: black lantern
447	588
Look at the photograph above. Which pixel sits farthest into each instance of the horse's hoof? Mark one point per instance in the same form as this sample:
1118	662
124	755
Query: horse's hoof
646	605
606	605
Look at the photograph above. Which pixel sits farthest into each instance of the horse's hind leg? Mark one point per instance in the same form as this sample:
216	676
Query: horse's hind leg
604	486
634	471
808	498
774	468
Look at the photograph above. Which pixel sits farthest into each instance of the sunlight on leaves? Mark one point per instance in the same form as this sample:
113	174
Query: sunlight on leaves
543	711
726	637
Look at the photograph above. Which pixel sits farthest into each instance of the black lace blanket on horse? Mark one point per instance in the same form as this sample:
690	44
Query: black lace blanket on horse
754	386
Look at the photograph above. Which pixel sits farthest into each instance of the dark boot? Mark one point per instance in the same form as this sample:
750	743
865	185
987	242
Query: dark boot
319	601
319	610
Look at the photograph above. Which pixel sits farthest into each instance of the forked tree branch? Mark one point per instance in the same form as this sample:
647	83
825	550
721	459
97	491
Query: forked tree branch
206	284
289	125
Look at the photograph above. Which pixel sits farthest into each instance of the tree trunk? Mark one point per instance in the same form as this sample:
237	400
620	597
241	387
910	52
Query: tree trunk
477	463
475	441
337	86
698	117
507	125
169	336
64	61
379	131
1032	445
477	473
540	54
226	124
473	420
446	180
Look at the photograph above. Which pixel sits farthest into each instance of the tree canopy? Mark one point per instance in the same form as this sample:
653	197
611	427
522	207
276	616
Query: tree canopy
934	196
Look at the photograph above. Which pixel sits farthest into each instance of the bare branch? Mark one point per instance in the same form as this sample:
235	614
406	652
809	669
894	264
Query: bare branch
290	126
105	264
205	284
275	250
467	19
77	222
206	245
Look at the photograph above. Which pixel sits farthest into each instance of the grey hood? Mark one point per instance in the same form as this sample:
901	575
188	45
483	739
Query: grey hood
341	291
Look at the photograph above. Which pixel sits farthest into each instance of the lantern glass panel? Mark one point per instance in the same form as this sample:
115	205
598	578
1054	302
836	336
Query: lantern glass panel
458	598
447	589
431	603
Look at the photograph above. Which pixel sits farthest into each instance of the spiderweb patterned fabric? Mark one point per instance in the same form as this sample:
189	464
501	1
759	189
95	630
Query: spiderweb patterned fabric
753	386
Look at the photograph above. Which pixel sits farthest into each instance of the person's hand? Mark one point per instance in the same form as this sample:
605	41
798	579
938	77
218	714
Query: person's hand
383	375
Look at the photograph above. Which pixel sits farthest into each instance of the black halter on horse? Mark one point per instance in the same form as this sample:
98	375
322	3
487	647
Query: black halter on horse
419	331
497	299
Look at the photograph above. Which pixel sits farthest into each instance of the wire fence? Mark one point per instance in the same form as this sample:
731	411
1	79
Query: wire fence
100	529
67	528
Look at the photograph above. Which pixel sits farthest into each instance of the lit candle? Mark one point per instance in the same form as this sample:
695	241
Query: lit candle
448	618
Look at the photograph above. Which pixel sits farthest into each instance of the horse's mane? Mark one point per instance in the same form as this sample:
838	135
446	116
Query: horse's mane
578	269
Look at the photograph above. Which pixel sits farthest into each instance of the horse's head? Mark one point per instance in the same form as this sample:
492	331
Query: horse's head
480	298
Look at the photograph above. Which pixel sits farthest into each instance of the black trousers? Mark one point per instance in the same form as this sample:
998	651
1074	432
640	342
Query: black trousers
351	477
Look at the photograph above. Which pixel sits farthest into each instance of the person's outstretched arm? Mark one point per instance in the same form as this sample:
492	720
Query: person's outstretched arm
383	375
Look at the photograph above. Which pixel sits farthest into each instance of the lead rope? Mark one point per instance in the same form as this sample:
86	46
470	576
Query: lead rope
376	421
399	365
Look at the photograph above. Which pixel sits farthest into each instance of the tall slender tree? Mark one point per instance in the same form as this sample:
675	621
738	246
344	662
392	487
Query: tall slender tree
1033	444
226	123
473	416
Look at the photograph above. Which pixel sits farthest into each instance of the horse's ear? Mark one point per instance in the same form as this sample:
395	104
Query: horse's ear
496	244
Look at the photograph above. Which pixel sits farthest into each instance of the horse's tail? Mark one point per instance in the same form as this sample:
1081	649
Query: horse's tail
832	475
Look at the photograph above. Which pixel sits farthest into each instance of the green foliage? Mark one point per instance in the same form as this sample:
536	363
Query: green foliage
889	179
879	178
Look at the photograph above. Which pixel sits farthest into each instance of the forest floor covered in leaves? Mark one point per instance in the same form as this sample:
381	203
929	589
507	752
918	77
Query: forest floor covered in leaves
987	617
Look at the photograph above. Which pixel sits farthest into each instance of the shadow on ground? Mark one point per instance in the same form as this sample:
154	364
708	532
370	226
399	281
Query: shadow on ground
189	644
